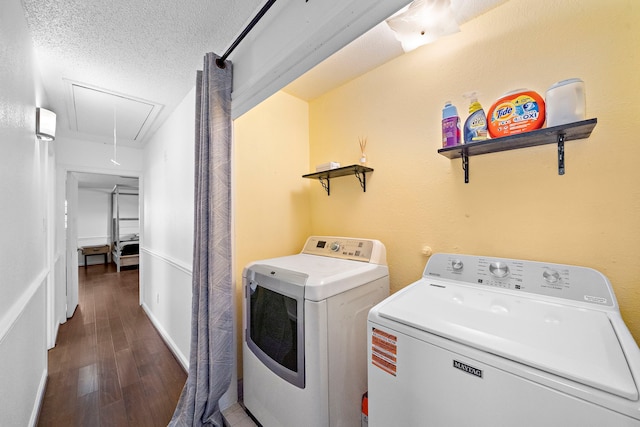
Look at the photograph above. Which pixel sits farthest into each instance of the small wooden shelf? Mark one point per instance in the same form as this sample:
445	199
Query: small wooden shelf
325	176
553	135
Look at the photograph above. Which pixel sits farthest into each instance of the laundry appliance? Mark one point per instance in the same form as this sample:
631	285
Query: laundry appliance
305	332
482	341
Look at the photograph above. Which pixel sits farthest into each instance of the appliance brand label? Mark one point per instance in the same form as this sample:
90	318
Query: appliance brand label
597	300
467	368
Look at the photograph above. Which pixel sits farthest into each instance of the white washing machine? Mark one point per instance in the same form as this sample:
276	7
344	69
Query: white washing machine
305	332
481	341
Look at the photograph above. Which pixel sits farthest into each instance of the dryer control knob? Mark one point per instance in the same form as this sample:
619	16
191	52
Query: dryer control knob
457	265
499	269
551	276
335	246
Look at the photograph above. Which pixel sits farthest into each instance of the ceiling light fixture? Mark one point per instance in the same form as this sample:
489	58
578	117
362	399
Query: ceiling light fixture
424	21
115	152
45	124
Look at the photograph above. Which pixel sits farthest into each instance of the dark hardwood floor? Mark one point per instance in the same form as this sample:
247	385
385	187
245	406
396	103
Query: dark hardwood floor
109	366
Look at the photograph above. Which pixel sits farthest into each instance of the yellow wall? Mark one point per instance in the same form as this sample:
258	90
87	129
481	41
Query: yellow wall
271	153
515	205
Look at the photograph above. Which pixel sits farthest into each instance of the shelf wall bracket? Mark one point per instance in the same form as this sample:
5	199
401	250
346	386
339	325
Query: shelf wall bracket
325	177
363	180
465	165
326	184
561	153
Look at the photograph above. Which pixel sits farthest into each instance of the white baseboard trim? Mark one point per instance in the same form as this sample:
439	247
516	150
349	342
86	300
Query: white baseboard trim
167	339
42	388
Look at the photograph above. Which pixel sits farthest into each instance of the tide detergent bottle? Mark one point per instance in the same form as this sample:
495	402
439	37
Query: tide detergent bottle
518	111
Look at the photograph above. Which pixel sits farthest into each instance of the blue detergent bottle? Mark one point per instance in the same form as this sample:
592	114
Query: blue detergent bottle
475	127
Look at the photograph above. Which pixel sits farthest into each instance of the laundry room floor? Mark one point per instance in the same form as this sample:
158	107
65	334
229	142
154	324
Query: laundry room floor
110	367
235	416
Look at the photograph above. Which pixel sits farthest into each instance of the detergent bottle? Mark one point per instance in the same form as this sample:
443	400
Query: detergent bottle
518	111
450	126
475	127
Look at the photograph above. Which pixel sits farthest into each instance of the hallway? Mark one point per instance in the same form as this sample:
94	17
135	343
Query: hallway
110	367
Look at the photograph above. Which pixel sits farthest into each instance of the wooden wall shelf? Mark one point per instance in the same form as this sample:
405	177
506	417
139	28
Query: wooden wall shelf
553	135
325	176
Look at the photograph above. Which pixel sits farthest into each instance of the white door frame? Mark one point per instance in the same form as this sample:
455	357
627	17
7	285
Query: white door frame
62	285
71	249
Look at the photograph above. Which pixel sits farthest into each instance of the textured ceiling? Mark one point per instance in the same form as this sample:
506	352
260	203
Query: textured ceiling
148	50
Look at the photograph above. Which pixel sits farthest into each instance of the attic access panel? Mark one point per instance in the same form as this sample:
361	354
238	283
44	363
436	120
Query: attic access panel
93	113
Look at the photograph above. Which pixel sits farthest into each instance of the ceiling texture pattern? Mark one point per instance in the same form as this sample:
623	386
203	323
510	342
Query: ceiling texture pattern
139	58
146	49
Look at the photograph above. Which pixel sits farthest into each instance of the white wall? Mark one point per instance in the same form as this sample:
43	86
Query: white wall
167	250
93	216
23	226
82	156
93	221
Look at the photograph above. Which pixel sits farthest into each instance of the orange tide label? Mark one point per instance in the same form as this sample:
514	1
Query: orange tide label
515	113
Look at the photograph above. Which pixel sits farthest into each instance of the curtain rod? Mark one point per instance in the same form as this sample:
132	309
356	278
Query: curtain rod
254	21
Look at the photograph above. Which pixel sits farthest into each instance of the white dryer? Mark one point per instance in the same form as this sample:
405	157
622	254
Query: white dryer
481	341
305	332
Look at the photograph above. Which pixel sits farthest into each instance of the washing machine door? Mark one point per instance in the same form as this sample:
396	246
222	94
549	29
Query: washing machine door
274	309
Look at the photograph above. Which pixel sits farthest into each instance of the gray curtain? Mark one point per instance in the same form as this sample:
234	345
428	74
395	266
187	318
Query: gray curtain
211	359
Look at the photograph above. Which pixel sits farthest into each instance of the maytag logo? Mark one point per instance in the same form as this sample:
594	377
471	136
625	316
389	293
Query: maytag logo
468	369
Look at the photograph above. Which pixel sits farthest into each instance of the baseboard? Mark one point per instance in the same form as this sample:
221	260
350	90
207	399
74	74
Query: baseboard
167	339
42	388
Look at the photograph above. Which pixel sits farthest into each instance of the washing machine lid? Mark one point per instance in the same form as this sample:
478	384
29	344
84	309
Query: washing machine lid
328	276
574	343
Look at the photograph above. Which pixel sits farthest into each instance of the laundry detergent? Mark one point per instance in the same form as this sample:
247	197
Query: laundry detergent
450	126
475	127
516	112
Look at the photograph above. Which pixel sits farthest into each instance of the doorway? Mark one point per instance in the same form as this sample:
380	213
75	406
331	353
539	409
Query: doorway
93	226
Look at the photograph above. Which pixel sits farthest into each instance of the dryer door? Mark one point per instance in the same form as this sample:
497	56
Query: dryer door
274	309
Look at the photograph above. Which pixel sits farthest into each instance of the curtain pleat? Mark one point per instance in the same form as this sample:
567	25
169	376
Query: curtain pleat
211	358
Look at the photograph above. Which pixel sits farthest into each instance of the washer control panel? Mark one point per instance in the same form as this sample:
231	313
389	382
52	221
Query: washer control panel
366	250
557	280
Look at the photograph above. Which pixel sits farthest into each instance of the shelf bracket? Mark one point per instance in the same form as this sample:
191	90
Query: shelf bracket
362	179
465	165
325	184
324	177
561	154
